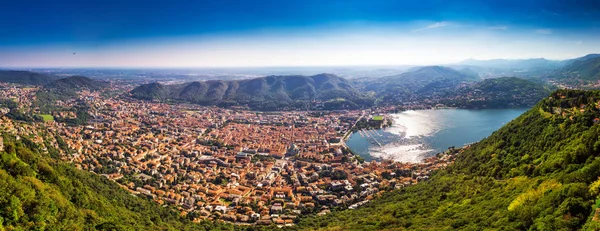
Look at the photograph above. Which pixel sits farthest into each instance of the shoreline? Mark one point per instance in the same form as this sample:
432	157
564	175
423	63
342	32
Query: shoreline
400	152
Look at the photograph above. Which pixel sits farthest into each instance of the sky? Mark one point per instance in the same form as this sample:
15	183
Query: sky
263	33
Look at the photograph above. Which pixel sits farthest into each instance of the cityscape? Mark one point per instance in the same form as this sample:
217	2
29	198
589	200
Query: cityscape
300	115
229	165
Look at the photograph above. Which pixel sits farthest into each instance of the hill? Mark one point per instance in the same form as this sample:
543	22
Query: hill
424	82
538	172
504	92
75	83
266	93
66	89
583	58
42	193
25	77
583	69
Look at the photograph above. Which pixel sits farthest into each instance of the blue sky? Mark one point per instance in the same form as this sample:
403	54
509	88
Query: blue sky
291	33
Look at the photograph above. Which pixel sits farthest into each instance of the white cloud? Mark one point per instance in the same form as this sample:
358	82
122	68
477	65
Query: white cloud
543	31
432	26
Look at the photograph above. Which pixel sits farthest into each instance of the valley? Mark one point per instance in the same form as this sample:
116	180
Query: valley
281	151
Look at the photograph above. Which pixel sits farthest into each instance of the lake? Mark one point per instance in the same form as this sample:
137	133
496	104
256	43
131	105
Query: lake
415	135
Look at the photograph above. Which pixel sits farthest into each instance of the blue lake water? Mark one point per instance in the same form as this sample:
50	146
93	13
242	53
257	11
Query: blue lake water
415	135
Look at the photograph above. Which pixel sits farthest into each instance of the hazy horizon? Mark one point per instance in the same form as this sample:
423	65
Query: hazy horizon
239	34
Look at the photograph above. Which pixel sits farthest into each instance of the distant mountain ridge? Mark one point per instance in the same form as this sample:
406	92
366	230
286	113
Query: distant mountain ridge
535	63
427	80
583	58
25	77
266	93
76	83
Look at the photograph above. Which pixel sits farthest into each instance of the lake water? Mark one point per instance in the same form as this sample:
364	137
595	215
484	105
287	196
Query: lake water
415	135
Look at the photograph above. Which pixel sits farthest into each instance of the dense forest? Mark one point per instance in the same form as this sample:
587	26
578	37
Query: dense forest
539	172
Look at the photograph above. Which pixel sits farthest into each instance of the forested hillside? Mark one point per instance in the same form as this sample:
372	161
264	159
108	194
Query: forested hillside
504	92
539	172
25	77
423	82
266	93
584	69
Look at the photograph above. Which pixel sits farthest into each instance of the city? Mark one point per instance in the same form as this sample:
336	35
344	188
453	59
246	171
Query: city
224	164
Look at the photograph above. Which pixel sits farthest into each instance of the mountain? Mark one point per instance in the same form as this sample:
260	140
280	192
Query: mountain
504	92
470	71
25	77
523	68
420	82
538	172
583	68
524	64
76	83
583	58
266	93
38	192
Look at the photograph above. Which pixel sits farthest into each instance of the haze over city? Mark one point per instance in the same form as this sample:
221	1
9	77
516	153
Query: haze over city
282	33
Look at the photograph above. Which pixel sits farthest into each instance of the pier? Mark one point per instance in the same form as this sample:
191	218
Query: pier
371	134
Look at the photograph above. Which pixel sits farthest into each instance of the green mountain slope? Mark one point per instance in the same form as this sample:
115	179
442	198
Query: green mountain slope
504	92
25	77
539	172
76	83
41	193
582	58
584	69
423	82
267	93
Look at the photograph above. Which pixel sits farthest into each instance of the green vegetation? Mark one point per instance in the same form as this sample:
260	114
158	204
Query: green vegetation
365	123
584	69
75	83
505	92
9	103
267	93
25	77
19	114
378	118
424	82
41	193
47	117
64	89
539	172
